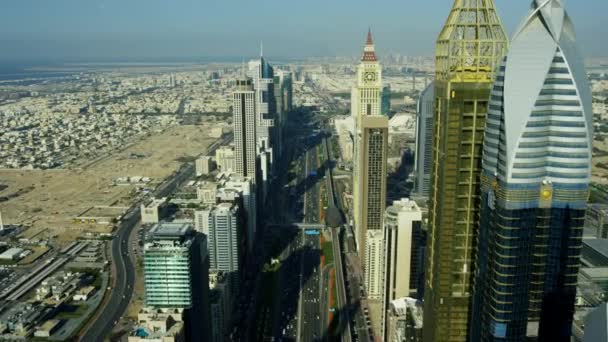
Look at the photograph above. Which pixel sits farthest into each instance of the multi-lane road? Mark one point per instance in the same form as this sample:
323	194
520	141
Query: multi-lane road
311	328
124	278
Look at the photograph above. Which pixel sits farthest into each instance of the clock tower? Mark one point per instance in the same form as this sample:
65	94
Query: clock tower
367	93
369	169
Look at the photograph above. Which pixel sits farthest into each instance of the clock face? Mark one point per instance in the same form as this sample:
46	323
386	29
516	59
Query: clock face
369	76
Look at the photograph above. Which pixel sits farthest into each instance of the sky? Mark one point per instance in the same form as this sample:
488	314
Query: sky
189	29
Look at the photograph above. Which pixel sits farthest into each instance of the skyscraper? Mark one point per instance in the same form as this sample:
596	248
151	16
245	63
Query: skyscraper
223	232
262	74
386	100
283	99
535	184
424	141
402	221
369	181
244	190
244	121
176	275
402	229
226	241
470	46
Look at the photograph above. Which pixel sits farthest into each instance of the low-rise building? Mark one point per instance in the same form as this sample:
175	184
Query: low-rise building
594	253
157	325
153	210
13	254
224	158
207	192
204	166
21	318
596	220
404	321
48	328
84	293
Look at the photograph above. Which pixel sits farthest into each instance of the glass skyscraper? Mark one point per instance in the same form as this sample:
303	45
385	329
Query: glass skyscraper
536	172
470	46
176	275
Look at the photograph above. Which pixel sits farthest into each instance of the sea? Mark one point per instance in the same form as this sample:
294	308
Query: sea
20	72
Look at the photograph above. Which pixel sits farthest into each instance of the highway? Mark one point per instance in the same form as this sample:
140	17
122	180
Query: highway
114	306
311	327
343	302
355	328
122	288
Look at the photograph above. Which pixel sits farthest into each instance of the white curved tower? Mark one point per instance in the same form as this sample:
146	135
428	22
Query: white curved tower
535	179
541	104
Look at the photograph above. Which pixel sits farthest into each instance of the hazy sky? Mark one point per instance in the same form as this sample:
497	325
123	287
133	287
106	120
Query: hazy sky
123	29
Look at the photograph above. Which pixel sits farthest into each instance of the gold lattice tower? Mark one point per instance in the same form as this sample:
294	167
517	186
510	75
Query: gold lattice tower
471	43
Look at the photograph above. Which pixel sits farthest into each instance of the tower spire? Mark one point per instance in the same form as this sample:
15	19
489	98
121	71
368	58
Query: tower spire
369	52
261	49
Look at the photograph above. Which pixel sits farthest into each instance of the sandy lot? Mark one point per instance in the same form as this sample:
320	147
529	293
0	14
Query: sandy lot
49	199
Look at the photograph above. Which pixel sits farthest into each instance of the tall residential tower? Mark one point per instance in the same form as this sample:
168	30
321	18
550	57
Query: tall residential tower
424	141
244	121
470	46
535	184
370	160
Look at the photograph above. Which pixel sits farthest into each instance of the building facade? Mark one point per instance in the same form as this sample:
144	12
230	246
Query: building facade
374	264
245	130
403	223
371	146
596	324
262	74
535	184
176	275
402	229
469	48
204	165
424	141
168	252
596	220
248	205
221	302
225	159
227	243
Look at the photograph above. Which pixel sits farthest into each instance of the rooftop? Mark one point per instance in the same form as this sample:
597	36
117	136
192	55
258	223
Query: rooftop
595	273
170	231
599	245
603	208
